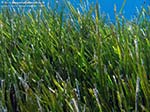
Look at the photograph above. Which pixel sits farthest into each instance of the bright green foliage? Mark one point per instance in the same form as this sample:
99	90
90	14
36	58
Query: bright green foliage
73	61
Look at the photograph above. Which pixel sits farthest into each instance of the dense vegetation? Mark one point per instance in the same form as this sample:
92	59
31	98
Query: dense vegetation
76	61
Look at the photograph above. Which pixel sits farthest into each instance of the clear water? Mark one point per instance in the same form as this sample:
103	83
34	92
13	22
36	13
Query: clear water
106	6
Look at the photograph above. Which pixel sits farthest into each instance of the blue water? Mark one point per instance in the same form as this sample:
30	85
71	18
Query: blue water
107	6
130	9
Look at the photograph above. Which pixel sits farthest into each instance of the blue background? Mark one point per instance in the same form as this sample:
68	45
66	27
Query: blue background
107	6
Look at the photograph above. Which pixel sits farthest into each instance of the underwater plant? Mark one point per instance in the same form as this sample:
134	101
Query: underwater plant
53	60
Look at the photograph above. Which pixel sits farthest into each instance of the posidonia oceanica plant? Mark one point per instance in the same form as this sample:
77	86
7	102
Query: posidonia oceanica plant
73	60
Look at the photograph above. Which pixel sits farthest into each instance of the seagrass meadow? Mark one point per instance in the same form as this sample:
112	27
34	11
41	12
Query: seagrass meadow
74	61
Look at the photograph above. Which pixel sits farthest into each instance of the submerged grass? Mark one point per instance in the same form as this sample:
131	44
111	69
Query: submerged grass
73	61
